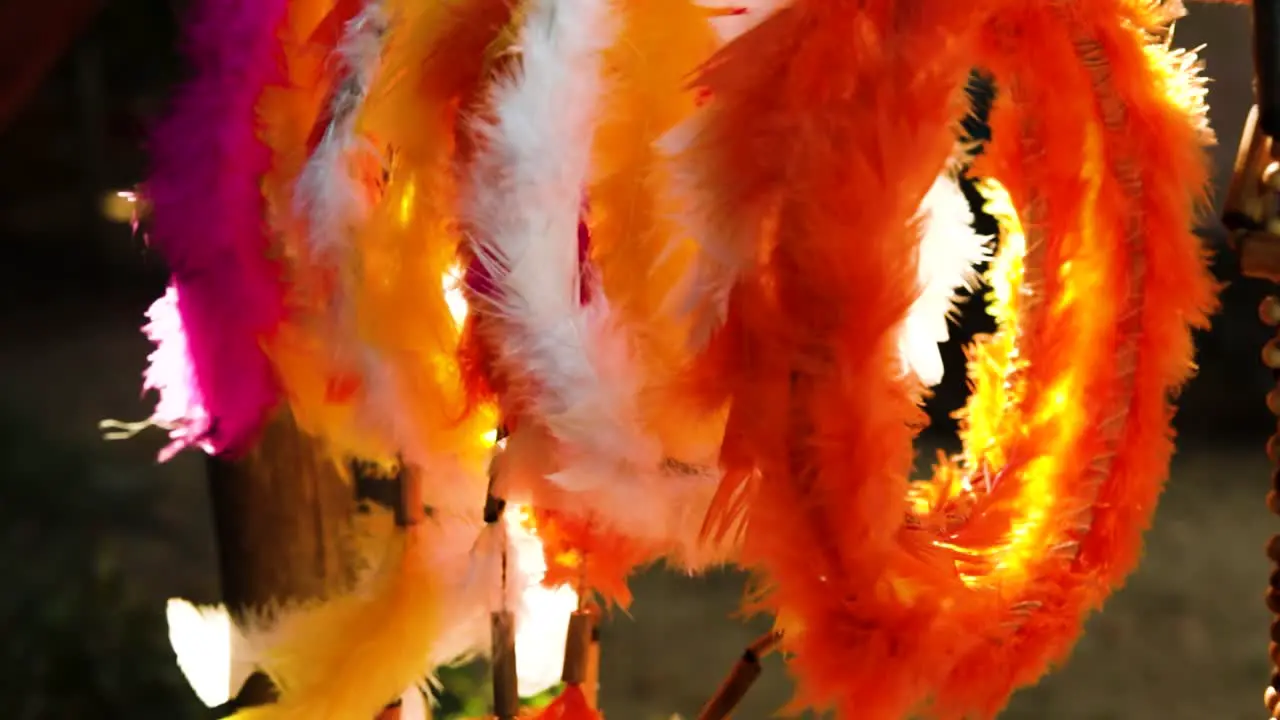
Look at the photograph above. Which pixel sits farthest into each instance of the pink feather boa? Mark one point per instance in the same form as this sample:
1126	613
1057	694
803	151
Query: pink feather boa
215	382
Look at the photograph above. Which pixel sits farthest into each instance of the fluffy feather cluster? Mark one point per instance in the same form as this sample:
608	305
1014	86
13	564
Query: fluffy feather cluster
703	313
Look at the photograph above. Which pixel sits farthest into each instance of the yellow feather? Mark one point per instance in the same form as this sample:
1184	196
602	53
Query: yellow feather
408	249
321	393
347	657
662	43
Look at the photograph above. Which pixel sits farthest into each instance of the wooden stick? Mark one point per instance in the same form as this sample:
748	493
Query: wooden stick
591	681
577	648
412	510
506	693
741	678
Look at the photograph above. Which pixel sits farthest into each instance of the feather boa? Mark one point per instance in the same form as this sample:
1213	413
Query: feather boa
822	509
1123	240
329	194
405	253
1044	514
702	293
349	656
216	654
332	198
523	212
639	256
216	386
587	361
760	277
319	373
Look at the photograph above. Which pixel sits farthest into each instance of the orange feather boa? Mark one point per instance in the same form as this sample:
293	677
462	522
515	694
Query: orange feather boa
944	597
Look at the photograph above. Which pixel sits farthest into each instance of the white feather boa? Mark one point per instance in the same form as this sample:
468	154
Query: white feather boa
581	378
523	210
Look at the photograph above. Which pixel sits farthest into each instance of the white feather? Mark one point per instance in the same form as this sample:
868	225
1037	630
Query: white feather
171	372
950	251
662	507
211	652
523	213
542	614
468	559
327	195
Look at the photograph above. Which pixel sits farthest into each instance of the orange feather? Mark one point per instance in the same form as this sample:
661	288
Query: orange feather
321	392
1120	216
835	117
570	704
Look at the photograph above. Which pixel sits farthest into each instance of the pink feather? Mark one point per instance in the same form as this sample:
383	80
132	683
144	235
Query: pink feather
208	224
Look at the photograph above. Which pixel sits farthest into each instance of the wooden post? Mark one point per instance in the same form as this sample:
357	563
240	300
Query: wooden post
283	517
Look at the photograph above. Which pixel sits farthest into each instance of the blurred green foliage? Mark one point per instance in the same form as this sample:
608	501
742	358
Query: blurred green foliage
466	691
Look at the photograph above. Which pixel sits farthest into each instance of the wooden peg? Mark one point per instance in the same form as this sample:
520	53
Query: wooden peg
577	648
506	693
591	683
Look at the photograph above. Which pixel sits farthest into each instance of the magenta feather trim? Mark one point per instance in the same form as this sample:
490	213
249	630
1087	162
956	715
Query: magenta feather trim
208	224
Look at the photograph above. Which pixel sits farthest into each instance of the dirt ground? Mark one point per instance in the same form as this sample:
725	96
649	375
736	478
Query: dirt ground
1186	640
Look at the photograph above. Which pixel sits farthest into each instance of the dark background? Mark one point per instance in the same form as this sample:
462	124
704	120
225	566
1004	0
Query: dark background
94	535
